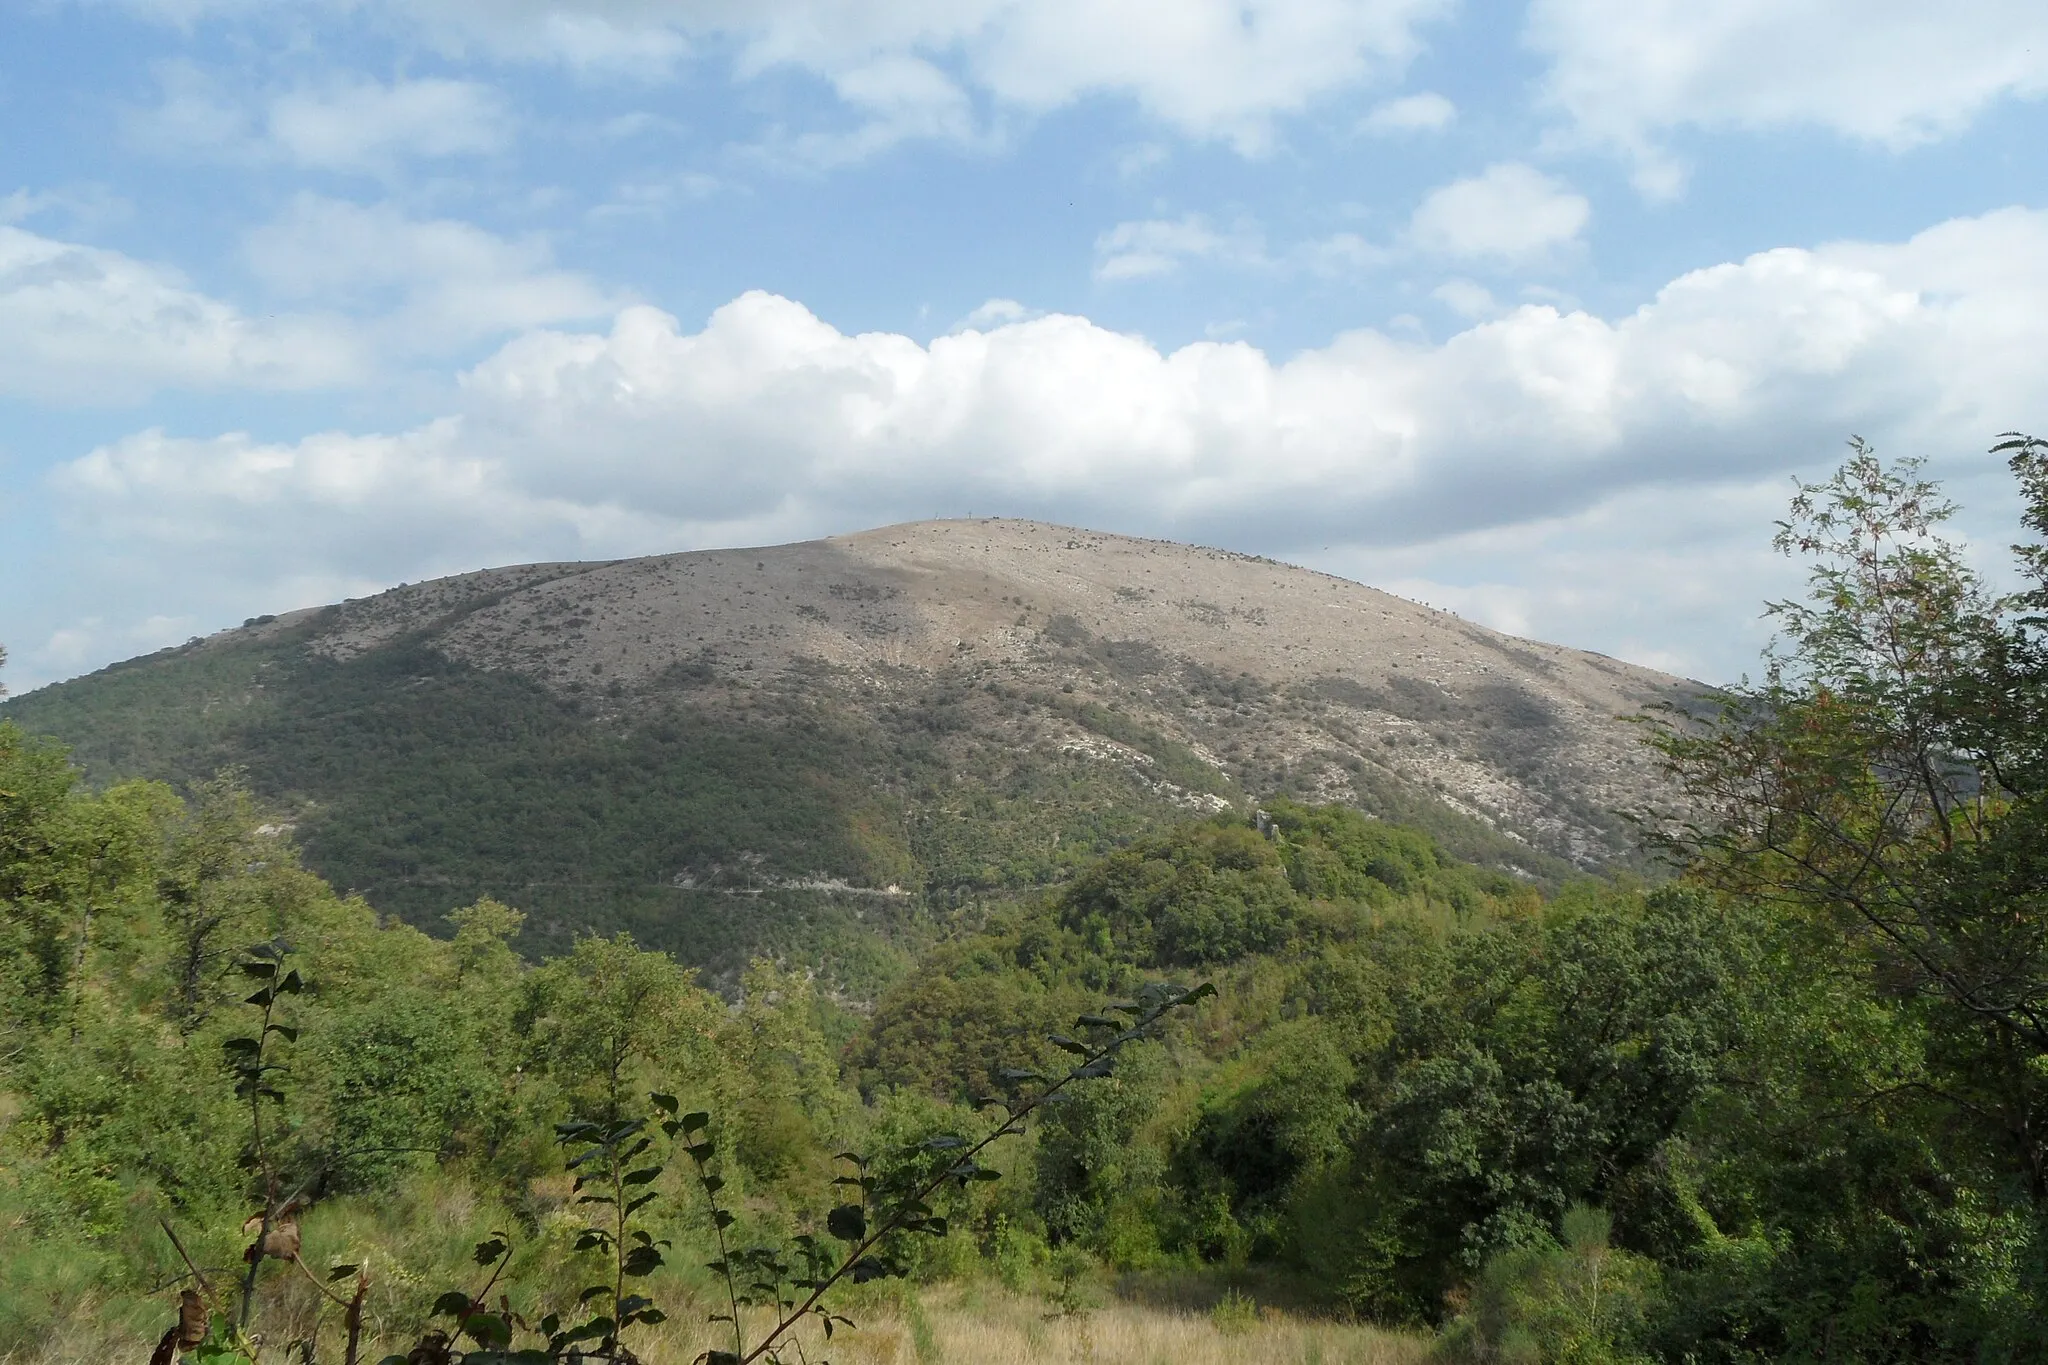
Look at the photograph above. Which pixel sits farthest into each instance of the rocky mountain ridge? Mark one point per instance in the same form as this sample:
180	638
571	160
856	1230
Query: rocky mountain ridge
945	709
1209	645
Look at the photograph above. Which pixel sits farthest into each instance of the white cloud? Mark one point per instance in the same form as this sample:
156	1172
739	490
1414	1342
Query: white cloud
997	313
1510	213
1211	68
1466	299
346	123
770	424
86	325
363	125
1340	254
425	284
1890	72
1425	113
1157	246
1152	247
898	97
81	205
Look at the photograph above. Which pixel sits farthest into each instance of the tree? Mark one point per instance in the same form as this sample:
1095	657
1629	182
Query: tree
1885	786
1888	771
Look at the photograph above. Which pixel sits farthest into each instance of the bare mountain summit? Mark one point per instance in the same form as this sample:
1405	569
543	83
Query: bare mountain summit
928	711
1262	669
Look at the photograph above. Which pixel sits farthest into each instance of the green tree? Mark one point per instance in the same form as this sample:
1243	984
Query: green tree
1575	1300
606	1018
1882	790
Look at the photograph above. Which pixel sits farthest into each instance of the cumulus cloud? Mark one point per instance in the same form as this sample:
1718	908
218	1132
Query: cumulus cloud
1509	213
769	421
83	324
1890	72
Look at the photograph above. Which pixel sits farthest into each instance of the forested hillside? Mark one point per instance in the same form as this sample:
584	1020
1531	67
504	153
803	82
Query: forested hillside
814	750
1788	1104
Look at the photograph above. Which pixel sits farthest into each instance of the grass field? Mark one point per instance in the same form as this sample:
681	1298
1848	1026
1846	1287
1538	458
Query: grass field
974	1324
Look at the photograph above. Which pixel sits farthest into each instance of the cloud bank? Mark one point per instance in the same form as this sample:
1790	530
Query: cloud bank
767	423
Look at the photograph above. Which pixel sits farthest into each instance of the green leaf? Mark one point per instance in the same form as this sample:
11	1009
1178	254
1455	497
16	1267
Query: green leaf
712	1184
848	1222
292	984
696	1120
723	1219
641	1176
341	1272
290	1035
1066	1044
489	1330
665	1103
262	971
452	1304
489	1251
262	998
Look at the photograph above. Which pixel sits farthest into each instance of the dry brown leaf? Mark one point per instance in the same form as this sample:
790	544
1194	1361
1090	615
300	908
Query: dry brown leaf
191	1320
282	1241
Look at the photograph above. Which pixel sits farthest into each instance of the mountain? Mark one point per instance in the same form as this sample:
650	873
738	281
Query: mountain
826	749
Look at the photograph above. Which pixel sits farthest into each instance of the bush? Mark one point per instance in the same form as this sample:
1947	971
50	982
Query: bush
1578	1302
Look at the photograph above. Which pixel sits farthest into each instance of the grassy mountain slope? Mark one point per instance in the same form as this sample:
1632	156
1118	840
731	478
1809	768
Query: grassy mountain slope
813	748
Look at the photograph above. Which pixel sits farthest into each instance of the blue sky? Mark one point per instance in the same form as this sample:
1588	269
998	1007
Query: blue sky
1531	311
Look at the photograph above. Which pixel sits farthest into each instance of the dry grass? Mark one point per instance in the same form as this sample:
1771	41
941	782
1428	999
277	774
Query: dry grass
975	1323
991	1327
